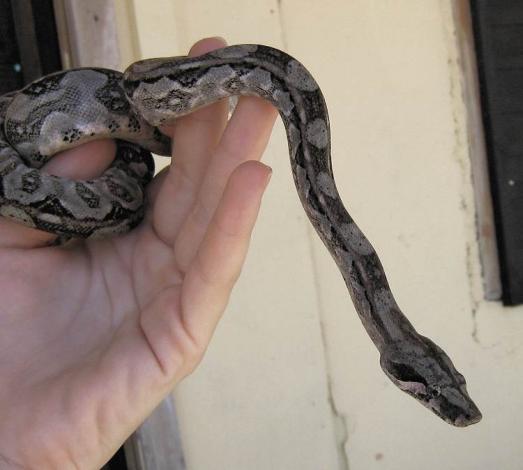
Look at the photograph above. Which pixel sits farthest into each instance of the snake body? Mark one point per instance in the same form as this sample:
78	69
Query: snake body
74	106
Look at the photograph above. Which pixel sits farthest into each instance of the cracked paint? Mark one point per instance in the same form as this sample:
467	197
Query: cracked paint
341	431
461	153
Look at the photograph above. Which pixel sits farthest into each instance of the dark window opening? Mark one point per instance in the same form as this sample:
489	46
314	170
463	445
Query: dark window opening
498	33
28	42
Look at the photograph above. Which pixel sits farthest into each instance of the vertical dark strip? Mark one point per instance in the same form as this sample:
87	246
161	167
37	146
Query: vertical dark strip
46	36
28	42
498	30
26	39
10	68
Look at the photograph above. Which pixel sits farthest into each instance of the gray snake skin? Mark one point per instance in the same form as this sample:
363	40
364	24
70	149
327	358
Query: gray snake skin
75	106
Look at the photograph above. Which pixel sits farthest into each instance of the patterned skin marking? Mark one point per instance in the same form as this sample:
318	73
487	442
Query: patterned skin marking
326	184
358	241
317	133
73	107
300	77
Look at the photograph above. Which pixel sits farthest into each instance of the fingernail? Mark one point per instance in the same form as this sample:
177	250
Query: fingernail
269	174
219	38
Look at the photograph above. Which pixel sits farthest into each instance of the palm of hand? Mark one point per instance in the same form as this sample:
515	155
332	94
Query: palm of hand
95	334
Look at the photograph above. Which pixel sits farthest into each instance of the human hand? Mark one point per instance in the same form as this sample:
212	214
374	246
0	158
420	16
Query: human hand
94	334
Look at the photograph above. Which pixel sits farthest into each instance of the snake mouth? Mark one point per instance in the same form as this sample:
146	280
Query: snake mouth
464	421
459	416
461	421
447	412
447	400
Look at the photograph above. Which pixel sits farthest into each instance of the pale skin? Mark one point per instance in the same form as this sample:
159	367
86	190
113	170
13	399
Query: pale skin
95	334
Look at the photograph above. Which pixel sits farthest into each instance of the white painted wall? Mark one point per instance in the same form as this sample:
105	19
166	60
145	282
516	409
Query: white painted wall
291	381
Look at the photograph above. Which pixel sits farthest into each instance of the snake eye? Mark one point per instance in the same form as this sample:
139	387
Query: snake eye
405	373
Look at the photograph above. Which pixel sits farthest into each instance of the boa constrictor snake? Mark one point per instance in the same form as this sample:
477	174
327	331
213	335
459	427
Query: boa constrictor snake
71	107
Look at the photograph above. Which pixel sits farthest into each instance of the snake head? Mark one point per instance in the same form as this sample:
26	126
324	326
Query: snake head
423	370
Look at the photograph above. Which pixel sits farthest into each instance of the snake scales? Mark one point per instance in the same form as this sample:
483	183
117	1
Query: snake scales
75	106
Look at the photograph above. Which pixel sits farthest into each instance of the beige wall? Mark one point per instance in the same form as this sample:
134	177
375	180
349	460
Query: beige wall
291	381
